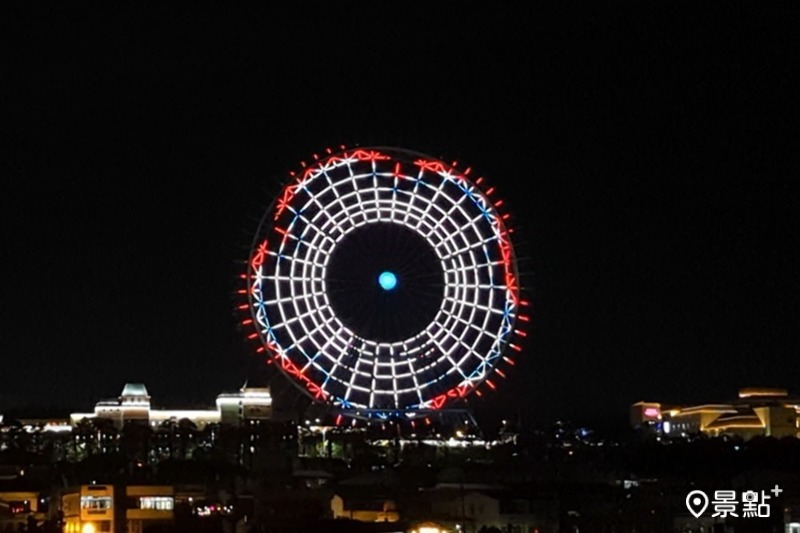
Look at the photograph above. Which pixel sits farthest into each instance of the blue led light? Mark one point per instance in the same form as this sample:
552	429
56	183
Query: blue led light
387	280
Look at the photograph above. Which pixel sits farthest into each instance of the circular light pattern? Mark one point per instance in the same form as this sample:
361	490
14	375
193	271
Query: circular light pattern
387	280
437	322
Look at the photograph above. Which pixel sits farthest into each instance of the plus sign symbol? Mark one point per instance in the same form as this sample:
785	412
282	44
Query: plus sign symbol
777	490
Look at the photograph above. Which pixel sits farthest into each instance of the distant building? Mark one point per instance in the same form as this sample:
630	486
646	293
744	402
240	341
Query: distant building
365	507
149	505
95	508
16	506
249	405
476	507
645	413
88	508
465	509
768	412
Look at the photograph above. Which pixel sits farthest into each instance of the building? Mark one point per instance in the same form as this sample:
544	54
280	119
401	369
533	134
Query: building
464	509
149	505
644	414
95	509
249	405
18	506
471	507
24	496
367	506
761	411
88	508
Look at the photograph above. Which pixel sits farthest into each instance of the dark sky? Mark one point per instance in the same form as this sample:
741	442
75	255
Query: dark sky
648	156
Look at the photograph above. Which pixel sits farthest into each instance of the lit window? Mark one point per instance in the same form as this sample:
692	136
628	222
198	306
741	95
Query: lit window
157	503
96	503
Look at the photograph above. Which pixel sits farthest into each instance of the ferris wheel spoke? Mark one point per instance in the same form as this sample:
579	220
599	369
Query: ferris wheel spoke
473	246
445	353
341	229
298	317
310	224
470	350
480	330
456	206
417	387
310	334
478	306
432	203
460	233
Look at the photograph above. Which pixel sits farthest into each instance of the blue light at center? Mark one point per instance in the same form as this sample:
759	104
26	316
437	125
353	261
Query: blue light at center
387	280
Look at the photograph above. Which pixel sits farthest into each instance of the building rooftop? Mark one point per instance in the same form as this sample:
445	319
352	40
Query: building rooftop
134	389
743	420
707	408
761	392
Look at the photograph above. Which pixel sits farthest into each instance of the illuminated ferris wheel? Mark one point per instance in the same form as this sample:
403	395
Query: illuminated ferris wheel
383	282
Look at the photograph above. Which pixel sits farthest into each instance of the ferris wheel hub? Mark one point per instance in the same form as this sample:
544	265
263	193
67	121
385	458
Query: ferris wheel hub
387	280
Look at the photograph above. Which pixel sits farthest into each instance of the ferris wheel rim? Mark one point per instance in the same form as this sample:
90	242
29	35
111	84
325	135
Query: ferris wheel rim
498	346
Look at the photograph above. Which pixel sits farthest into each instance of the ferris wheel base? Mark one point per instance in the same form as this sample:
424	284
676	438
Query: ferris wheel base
404	417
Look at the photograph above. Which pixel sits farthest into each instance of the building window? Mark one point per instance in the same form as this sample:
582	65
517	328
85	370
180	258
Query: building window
96	503
157	503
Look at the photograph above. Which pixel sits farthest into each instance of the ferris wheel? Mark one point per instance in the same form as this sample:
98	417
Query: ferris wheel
383	282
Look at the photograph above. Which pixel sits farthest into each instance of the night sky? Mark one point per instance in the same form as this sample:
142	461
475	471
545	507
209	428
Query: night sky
648	156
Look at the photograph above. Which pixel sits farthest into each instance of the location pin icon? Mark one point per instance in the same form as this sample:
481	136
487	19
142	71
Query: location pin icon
697	502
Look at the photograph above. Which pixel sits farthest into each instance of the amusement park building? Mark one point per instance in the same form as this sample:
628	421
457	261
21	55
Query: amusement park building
761	411
133	405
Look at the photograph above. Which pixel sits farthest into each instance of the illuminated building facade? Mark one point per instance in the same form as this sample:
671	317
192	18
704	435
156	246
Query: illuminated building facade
149	505
249	405
95	509
88	509
761	411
